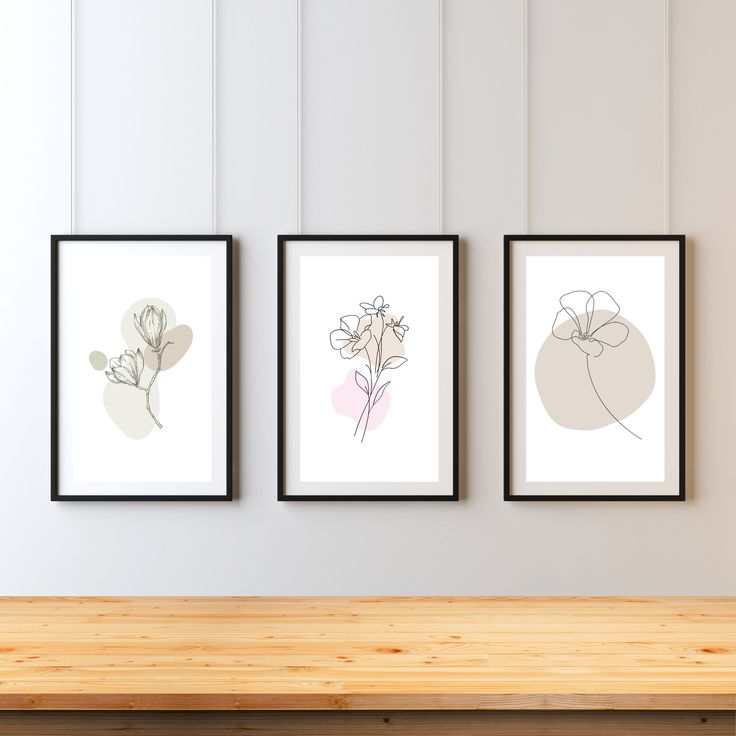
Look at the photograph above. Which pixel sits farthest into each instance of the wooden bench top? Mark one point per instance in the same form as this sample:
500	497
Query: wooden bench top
328	653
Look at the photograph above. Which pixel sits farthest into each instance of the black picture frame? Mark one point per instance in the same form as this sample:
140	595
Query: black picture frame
282	495
508	494
54	439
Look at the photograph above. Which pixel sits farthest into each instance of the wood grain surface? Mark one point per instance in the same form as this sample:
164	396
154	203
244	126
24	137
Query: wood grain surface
374	723
367	654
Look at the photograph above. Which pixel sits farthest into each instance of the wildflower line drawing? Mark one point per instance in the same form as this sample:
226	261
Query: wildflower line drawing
128	367
377	338
584	321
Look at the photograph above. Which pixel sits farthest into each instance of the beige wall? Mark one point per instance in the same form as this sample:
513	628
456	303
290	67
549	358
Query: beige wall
142	163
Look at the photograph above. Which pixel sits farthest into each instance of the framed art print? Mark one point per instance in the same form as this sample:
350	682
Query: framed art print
594	367
141	370
368	367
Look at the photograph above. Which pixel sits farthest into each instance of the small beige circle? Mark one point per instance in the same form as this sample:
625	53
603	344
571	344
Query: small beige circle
98	360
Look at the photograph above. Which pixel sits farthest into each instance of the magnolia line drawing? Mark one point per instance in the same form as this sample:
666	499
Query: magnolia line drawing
588	321
128	367
377	338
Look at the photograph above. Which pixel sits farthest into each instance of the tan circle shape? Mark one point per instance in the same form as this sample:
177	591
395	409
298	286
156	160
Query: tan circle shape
180	338
624	377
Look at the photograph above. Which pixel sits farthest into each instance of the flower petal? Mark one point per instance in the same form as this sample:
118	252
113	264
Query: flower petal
163	320
138	363
339	339
601	309
151	324
138	327
366	305
575	303
131	361
363	340
349	323
589	347
378	302
565	325
348	352
124	376
111	377
612	334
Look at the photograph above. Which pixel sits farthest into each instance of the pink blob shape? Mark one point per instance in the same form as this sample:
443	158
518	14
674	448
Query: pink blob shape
349	401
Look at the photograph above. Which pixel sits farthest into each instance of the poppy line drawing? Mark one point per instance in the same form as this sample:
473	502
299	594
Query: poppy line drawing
128	367
378	338
588	321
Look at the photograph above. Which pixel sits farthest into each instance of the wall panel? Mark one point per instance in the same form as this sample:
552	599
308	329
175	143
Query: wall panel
369	116
703	116
143	122
34	202
596	93
370	146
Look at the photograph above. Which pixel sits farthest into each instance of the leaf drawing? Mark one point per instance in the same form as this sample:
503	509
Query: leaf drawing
362	381
379	393
395	361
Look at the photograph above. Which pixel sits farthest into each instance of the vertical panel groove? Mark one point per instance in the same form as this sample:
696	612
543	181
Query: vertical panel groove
298	116
440	117
72	132
525	117
213	117
666	118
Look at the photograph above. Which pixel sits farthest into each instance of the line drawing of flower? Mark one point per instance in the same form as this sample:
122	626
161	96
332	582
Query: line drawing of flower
365	336
128	367
151	325
583	321
399	329
352	336
375	307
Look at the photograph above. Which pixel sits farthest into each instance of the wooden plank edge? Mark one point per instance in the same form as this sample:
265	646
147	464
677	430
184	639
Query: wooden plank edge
327	702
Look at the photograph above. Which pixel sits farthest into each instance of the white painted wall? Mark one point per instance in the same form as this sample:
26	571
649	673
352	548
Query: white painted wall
370	141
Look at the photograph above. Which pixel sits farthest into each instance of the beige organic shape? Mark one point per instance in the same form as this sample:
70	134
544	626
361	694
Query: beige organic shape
127	408
624	377
180	338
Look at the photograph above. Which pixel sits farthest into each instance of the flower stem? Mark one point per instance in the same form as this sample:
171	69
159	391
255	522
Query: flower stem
367	418
373	383
148	406
360	418
370	391
159	354
603	404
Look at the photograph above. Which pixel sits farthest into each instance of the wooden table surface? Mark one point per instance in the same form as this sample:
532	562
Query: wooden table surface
367	653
